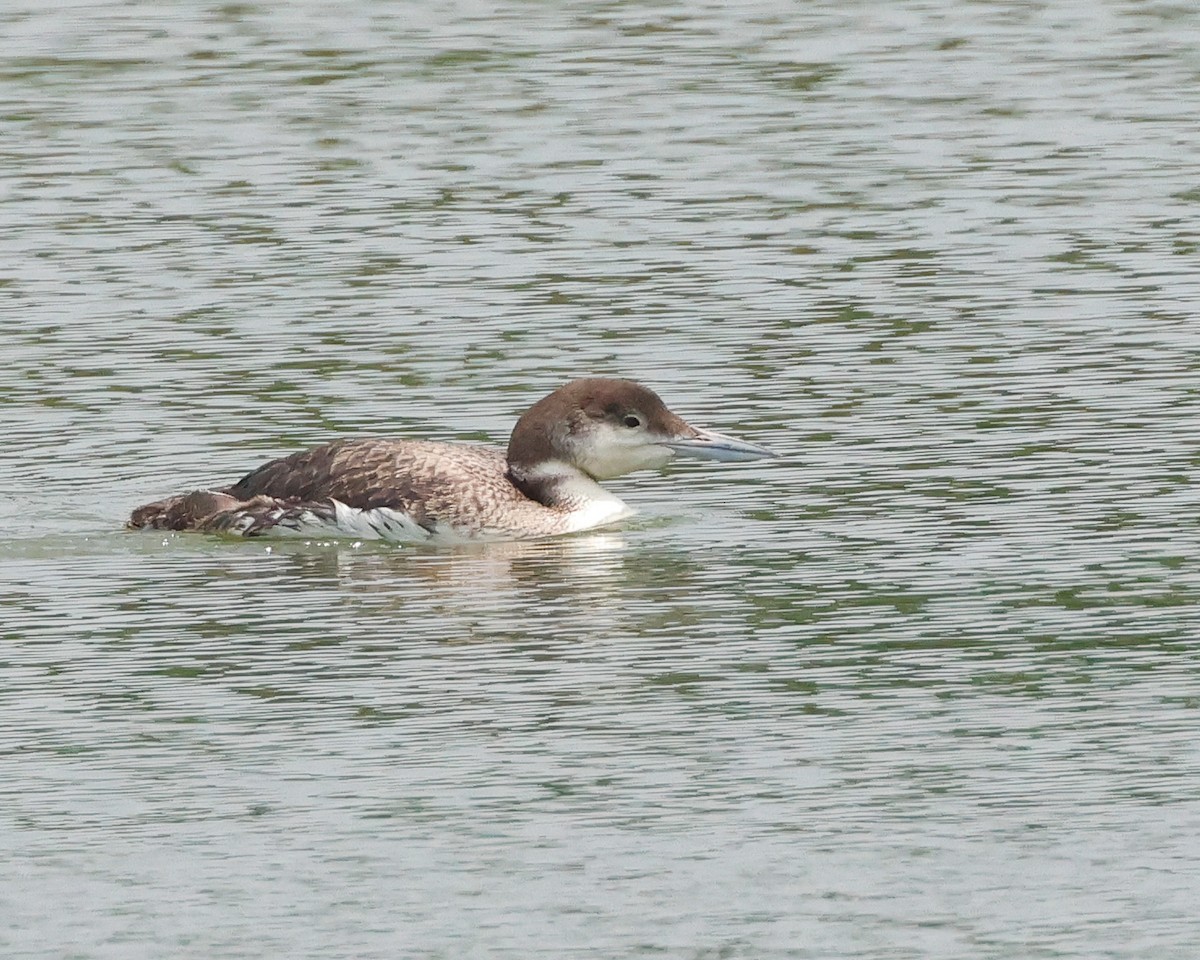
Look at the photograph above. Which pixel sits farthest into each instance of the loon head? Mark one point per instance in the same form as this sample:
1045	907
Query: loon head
607	428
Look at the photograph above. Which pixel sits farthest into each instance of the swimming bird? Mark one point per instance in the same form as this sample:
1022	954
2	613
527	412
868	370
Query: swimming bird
410	491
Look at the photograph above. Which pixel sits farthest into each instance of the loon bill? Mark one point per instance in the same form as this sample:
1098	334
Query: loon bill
410	491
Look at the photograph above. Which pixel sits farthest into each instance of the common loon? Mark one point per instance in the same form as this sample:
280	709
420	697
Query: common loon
410	491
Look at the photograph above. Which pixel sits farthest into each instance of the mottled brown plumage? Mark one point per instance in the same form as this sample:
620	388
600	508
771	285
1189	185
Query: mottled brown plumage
438	486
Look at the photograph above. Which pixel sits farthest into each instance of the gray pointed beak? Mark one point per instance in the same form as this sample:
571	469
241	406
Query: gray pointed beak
710	445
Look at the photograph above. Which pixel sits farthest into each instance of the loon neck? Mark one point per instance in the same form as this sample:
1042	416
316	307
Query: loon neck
556	485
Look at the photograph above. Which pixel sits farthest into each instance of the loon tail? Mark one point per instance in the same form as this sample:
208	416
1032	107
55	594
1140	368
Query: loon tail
219	512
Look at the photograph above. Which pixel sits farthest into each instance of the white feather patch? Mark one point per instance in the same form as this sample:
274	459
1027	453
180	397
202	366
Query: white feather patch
380	523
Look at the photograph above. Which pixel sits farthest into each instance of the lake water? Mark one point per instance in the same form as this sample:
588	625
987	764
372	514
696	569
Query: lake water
928	686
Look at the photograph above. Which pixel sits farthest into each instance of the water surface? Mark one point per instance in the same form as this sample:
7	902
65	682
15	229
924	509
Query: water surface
924	687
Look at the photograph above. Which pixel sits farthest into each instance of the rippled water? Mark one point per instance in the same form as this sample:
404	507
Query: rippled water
925	687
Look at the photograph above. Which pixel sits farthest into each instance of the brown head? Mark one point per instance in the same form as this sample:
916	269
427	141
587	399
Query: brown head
607	428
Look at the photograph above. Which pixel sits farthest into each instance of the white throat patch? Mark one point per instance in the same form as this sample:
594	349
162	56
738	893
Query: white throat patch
587	503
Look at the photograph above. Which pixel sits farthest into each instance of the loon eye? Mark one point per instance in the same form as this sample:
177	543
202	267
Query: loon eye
631	421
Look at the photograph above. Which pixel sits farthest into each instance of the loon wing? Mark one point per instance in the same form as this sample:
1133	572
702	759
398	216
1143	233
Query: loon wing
398	490
363	474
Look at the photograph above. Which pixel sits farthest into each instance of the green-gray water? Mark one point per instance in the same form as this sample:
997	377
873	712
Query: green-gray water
926	687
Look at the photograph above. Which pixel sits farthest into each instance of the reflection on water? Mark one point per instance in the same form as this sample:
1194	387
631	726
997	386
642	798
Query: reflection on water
600	733
923	687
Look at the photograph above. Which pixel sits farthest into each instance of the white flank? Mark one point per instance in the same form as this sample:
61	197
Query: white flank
587	505
380	523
